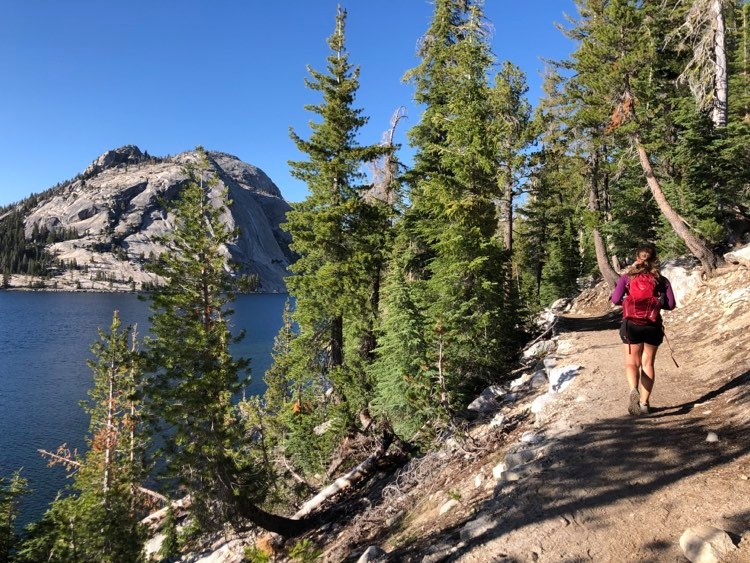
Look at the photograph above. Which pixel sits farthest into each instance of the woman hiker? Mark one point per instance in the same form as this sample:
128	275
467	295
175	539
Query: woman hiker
642	291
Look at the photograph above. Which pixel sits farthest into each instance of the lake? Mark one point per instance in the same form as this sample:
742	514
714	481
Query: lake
44	343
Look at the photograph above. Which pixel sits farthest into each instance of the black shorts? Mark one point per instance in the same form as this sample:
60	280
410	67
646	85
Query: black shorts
632	333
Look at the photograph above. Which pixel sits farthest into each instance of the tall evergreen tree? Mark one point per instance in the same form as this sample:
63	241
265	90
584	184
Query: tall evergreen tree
455	274
618	32
338	236
193	375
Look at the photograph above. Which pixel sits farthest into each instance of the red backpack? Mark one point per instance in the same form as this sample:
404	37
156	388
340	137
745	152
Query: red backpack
641	302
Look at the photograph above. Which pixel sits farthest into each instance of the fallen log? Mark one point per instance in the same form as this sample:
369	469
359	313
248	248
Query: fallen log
155	520
346	480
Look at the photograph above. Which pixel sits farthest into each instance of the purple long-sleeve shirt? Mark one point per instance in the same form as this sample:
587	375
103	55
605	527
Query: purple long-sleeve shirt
663	287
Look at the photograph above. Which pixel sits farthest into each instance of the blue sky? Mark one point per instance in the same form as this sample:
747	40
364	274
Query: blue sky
79	77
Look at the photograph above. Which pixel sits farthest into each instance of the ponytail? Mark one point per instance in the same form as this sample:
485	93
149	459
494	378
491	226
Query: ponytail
646	262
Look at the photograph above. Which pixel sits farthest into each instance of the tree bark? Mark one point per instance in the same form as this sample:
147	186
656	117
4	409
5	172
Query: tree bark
337	342
708	259
719	111
602	261
506	213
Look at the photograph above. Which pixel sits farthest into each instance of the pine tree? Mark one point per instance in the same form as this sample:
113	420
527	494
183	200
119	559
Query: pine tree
618	33
11	491
455	274
511	115
99	519
338	236
193	376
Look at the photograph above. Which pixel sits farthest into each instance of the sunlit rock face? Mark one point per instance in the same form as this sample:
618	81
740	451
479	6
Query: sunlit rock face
114	211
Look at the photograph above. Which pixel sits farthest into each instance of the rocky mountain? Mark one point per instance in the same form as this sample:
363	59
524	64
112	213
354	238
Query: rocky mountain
107	219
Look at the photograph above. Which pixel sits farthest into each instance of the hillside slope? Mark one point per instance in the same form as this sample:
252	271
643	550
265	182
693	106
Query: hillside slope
551	467
558	471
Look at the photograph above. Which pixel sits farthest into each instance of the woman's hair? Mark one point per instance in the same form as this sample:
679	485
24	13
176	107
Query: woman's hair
645	261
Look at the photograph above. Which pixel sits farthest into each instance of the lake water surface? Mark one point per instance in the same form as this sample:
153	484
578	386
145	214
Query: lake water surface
44	343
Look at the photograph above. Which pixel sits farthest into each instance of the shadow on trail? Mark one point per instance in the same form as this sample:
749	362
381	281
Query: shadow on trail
610	321
614	461
742	397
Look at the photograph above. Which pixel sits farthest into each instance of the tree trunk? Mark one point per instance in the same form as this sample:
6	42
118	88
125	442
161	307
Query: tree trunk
602	261
337	342
303	521
506	214
719	111
708	259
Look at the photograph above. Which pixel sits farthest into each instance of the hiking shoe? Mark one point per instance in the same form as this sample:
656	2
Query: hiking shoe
634	402
645	409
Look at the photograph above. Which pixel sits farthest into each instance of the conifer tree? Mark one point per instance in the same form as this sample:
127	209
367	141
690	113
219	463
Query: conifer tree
338	237
511	114
618	32
455	274
99	519
193	375
11	491
194	379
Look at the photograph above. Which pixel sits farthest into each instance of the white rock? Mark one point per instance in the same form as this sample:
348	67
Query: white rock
487	400
539	379
549	362
153	545
478	480
476	528
560	378
498	420
448	506
685	282
560	304
530	437
521	471
540	403
545	318
739	256
712	437
230	552
540	348
525	378
706	544
497	471
372	553
525	455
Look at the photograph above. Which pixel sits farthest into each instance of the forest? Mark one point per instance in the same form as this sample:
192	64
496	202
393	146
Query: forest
415	286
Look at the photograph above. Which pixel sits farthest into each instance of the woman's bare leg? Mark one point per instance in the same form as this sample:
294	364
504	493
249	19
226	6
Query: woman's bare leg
648	373
633	353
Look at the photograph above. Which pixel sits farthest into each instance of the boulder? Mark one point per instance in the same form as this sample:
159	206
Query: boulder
560	378
706	544
448	506
685	280
739	256
488	400
541	348
477	528
372	553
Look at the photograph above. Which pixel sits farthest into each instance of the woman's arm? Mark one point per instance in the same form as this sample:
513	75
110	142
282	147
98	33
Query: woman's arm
671	302
619	292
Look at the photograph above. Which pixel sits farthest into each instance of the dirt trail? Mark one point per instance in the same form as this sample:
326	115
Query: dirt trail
614	487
